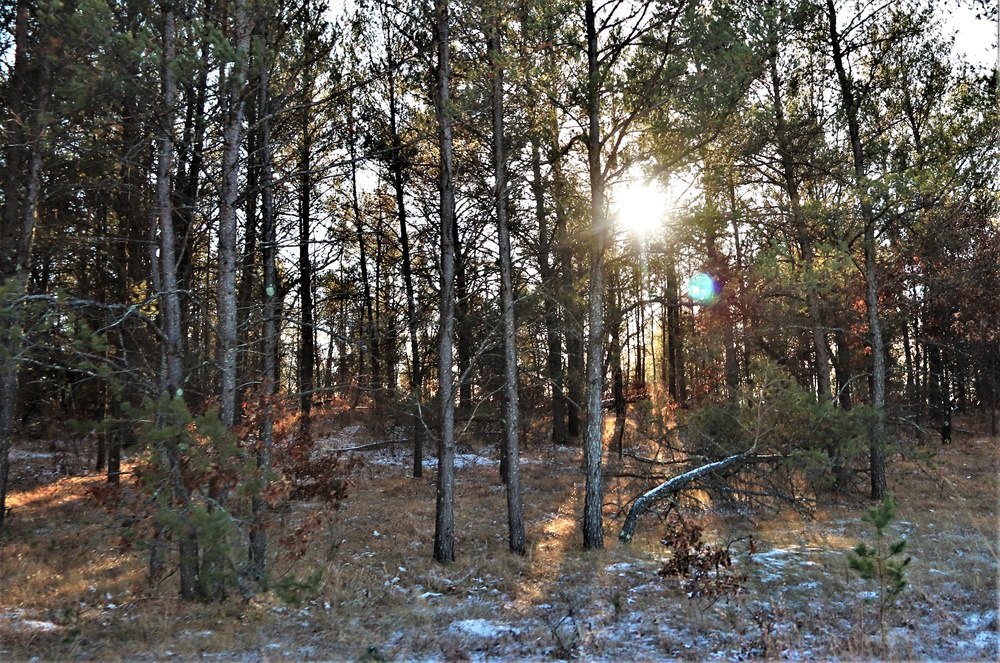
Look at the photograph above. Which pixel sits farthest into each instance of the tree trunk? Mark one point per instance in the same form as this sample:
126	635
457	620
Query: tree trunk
397	166
166	272
550	287
258	531
248	290
444	532
572	314
232	88
463	332
615	360
22	188
370	343
593	521
869	267
307	329
675	335
186	194
515	519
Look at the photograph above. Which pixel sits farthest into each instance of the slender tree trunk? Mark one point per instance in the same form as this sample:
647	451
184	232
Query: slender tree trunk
371	343
675	337
19	216
258	531
444	533
515	519
550	287
232	91
232	88
869	266
571	310
307	330
593	521
397	167
615	360
186	194
463	332
248	290
166	272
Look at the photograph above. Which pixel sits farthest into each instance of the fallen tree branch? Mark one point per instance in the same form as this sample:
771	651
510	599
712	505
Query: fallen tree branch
642	505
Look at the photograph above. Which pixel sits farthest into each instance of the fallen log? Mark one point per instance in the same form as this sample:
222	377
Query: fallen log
643	504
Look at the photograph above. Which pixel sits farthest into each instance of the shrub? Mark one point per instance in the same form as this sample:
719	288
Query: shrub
813	444
884	563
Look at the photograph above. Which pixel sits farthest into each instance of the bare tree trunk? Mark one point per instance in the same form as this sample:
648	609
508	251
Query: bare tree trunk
232	91
307	328
19	216
370	345
869	268
515	519
463	335
185	195
248	288
615	320
166	271
397	166
258	532
675	335
572	314
550	287
593	521
444	533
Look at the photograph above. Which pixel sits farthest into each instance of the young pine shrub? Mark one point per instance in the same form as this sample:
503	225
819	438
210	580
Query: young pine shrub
187	463
884	563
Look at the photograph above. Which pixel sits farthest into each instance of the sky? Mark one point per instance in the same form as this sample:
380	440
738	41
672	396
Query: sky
975	39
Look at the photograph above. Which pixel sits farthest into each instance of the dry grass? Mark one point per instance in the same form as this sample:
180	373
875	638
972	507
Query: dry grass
71	586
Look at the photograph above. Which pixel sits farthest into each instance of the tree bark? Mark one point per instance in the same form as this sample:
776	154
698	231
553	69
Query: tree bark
572	314
232	91
397	167
550	287
515	519
869	267
370	345
258	531
444	532
22	188
166	273
307	329
593	521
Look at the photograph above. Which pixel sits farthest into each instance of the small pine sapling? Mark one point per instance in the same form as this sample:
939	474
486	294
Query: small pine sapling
884	563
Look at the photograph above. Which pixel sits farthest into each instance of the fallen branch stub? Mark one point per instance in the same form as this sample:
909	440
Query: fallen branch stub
643	504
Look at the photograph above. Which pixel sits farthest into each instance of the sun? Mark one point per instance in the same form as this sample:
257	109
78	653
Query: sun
640	206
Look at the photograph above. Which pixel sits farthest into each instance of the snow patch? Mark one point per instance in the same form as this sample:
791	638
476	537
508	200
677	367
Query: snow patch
33	625
481	628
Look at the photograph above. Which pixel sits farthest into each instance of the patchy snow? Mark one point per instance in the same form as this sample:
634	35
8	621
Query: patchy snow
17	454
34	625
481	628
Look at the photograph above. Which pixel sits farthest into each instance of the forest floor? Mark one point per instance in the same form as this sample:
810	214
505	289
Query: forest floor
72	589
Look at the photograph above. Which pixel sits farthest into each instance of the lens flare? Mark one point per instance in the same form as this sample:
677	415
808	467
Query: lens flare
702	288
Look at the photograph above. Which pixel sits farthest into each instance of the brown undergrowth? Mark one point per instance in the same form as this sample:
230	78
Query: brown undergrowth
73	581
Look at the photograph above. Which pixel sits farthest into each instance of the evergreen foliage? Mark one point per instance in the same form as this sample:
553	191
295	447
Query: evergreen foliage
884	562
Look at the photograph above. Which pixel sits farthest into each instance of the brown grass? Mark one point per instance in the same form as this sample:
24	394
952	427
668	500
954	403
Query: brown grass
73	587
